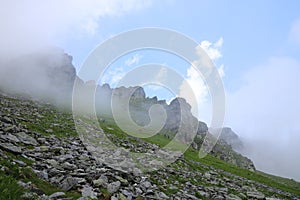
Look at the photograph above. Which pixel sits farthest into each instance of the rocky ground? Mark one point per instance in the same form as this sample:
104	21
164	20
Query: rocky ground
28	143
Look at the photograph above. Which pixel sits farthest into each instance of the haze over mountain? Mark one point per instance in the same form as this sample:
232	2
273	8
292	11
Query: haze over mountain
259	50
49	75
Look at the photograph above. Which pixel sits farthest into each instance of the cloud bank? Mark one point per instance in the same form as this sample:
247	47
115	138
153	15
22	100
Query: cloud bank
26	25
265	111
197	83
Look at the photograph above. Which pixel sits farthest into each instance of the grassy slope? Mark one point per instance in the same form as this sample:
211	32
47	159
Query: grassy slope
191	154
53	115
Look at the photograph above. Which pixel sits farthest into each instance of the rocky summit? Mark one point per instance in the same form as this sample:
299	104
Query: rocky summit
42	157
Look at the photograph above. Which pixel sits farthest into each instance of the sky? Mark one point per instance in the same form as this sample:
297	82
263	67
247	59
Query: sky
254	44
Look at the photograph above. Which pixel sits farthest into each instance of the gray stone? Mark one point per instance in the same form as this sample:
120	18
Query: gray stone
191	197
113	187
138	191
43	197
52	162
6	119
255	194
122	180
57	195
128	194
10	147
69	166
232	197
26	139
19	162
68	183
10	137
162	195
29	195
145	185
102	181
87	191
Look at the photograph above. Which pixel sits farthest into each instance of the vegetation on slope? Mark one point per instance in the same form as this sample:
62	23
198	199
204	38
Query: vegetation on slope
51	120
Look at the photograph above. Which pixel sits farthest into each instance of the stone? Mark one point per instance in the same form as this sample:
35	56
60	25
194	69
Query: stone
87	191
232	197
42	174
255	195
10	147
162	195
69	166
68	183
138	191
29	195
26	139
44	148
52	162
113	187
191	197
242	195
57	195
20	163
10	137
102	181
128	194
6	119
145	185
122	197
122	180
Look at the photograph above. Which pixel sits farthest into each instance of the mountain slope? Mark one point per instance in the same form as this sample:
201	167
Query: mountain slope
39	145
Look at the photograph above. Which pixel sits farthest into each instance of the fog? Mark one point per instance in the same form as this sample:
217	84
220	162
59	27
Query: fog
29	62
28	25
265	112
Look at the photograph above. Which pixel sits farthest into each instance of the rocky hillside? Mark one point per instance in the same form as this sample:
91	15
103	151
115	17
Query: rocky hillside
43	158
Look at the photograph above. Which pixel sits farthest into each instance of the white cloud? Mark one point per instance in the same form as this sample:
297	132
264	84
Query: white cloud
294	34
213	50
27	24
135	59
197	83
113	76
221	71
266	112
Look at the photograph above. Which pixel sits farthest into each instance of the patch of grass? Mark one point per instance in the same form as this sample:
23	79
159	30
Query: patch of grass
10	189
12	173
191	154
209	160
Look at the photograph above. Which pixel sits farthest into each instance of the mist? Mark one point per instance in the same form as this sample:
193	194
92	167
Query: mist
31	32
30	25
265	112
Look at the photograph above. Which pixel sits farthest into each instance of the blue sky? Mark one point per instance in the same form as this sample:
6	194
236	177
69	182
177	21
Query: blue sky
252	30
257	42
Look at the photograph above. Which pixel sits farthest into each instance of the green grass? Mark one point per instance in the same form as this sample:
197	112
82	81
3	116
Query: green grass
9	188
191	154
13	172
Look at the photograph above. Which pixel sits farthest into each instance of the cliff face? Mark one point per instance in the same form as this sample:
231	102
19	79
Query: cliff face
231	138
